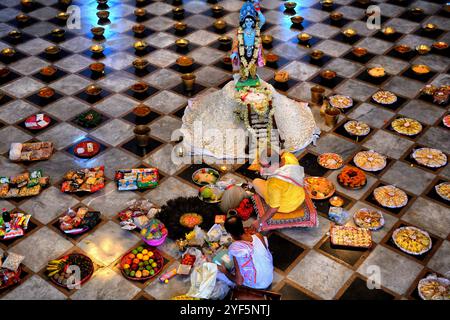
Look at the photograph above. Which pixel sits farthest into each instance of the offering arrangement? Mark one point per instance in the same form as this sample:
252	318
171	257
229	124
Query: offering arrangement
350	236
205	176
434	288
13	224
330	161
141	263
27	184
78	221
370	160
84	180
136	179
319	188
61	271
34	151
369	219
390	196
352	178
429	157
412	240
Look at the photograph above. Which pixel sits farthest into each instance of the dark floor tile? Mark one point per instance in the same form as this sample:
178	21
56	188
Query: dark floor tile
133	147
346	254
288	292
284	252
358	291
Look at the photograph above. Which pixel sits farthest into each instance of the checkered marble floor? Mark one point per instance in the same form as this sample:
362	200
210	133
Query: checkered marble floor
311	269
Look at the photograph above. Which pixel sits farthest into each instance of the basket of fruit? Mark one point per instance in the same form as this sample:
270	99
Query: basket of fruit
61	270
154	233
141	264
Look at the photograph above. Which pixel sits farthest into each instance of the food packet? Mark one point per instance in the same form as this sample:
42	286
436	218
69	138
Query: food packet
13	261
199	238
34	179
338	215
215	233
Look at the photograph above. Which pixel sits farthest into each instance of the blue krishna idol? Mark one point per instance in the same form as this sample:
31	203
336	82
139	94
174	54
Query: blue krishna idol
247	48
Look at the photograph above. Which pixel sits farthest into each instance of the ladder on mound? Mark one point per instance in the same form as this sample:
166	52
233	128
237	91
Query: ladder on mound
259	125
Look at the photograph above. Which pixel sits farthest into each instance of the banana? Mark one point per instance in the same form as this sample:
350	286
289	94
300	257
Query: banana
51	274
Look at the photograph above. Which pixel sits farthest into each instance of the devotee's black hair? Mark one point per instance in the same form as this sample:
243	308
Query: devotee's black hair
234	226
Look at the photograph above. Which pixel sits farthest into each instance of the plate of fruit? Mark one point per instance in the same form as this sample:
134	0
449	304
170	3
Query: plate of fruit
154	232
319	188
141	263
205	176
210	194
60	274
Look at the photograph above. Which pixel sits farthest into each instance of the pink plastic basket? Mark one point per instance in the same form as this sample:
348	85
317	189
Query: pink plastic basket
157	242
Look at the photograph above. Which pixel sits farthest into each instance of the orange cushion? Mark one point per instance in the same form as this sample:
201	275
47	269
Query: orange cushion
299	213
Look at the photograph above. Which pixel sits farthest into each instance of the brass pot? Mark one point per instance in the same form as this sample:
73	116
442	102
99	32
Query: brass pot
331	116
317	94
220	24
22	18
225	40
359	52
27	3
402	48
327	3
52	50
316	54
182	43
349	32
178	11
8	52
216	9
15	34
188	81
290	5
141	133
416	11
336	16
140	63
97	49
266	39
139	28
185	61
180	26
4	72
328	74
93	90
48	71
304	37
98	31
139	87
423	49
46	93
58	33
430	27
140	45
388	31
140	12
141	111
440	45
297	19
97	67
103	14
63	16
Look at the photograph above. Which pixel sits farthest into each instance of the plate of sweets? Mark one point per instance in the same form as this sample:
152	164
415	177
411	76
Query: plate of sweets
390	196
434	288
443	190
340	101
357	128
319	188
412	240
352	178
349	236
430	157
370	160
384	97
205	176
37	122
369	219
407	126
86	149
330	160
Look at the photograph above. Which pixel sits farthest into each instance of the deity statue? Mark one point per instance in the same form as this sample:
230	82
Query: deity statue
247	48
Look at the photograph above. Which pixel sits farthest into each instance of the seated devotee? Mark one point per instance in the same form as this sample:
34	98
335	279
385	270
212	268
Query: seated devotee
253	264
283	190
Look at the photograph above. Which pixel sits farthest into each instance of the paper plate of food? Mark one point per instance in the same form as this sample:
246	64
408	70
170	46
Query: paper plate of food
412	240
352	178
434	288
341	101
86	149
37	122
370	160
210	194
407	126
384	97
205	176
443	190
390	196
429	157
319	188
357	128
330	160
369	219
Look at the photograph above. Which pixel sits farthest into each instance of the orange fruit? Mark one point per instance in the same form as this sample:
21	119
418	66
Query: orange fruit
145	258
139	256
136	261
131	256
150	254
138	274
145	273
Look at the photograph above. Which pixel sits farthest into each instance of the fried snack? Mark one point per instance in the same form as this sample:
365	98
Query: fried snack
443	190
352	177
390	196
384	97
429	157
370	160
340	101
412	240
319	187
281	76
376	72
350	236
434	288
407	126
369	219
330	160
357	128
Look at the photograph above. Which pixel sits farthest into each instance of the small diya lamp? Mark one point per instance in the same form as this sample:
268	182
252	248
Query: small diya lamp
182	43
336	201
139	87
58	33
46	93
402	48
227	60
297	19
349	32
423	49
220	24
180	26
63	16
416	11
266	39
216	9
272	57
290	5
178	11
316	54
420	69
336	16
376	72
65	2
96	49
139	28
22	18
93	90
304	37
429	27
97	67
103	14
281	77
185	61
98	31
141	111
140	63
48	71
8	52
440	45
188	81
388	31
359	52
140	12
27	3
327	3
15	34
140	45
52	50
328	74
225	41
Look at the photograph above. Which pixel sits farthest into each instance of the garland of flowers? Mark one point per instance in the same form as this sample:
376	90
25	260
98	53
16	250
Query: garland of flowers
252	64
